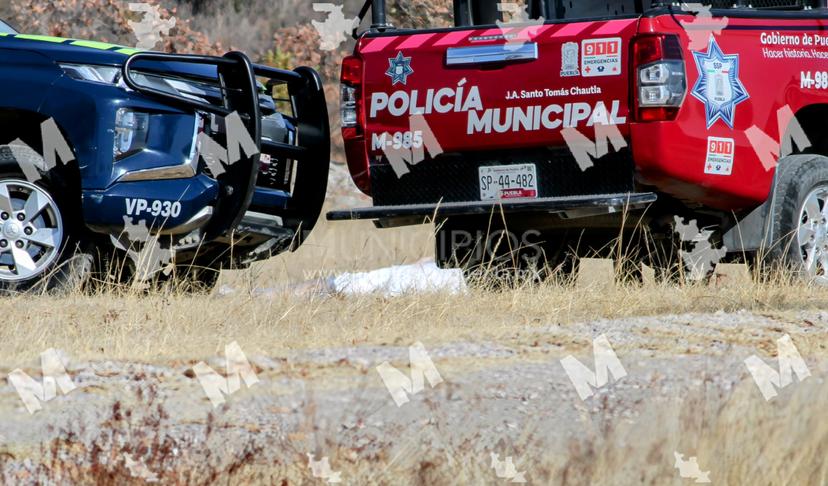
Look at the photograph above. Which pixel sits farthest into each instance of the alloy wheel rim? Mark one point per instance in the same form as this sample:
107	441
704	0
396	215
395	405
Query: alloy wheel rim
31	230
812	234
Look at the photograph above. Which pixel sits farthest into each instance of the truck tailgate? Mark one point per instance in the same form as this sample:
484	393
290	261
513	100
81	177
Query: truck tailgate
496	88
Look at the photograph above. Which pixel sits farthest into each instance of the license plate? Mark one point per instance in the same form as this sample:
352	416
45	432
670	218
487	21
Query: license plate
508	182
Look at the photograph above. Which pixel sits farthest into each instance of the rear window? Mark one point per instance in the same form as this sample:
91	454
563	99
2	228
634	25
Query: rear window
760	4
575	9
486	12
578	9
6	28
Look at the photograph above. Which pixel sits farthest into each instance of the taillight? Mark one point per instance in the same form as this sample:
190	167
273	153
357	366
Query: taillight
348	106
660	80
349	90
353	124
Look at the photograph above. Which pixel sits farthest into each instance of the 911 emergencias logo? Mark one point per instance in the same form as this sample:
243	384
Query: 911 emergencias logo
720	152
601	57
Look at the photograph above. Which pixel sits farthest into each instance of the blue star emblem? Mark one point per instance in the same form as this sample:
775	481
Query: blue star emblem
399	69
718	86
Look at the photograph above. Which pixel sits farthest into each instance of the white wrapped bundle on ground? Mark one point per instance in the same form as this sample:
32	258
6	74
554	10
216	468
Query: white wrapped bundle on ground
423	276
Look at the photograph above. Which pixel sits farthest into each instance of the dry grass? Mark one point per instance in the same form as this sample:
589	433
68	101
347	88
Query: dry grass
735	438
173	326
188	327
740	438
335	247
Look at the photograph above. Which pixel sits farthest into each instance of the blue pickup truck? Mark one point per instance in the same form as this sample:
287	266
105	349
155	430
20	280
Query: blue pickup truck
216	161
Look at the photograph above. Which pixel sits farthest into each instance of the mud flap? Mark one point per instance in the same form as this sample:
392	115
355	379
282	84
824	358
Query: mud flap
753	231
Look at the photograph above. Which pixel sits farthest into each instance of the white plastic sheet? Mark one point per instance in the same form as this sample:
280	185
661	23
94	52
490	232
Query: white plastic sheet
397	280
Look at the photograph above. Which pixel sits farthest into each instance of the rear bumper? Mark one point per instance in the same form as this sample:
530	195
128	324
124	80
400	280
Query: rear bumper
454	177
390	216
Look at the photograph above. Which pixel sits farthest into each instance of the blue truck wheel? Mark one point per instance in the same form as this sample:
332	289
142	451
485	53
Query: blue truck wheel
34	234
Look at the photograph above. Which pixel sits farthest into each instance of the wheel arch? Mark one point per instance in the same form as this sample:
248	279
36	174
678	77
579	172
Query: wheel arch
751	231
64	180
812	119
755	231
26	126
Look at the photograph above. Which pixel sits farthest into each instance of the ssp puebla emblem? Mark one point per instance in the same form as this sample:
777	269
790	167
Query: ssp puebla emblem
718	86
569	60
399	69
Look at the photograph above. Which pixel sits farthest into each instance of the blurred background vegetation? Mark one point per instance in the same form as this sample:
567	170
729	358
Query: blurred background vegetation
275	32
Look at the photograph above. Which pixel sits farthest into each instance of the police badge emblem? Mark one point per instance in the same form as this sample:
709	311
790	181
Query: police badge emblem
718	86
569	60
399	68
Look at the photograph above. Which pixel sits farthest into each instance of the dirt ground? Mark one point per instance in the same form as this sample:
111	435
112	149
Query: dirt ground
686	391
503	410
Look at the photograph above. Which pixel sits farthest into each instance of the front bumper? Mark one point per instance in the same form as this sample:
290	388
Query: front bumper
188	198
179	201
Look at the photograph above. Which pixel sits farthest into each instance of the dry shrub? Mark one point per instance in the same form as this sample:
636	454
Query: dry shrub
291	46
420	14
105	21
302	43
299	46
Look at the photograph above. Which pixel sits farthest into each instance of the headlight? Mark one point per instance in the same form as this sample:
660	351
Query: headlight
112	75
175	87
131	129
94	73
188	90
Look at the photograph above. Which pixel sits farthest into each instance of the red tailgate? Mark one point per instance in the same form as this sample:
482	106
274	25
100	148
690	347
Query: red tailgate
479	89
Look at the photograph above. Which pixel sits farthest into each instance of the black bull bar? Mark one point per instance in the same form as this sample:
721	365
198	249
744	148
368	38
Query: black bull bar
236	81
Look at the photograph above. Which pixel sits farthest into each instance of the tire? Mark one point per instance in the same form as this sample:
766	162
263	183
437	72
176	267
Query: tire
494	256
190	278
37	238
799	217
197	279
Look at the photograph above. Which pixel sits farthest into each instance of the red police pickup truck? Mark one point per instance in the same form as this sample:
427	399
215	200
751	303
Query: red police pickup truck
583	118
